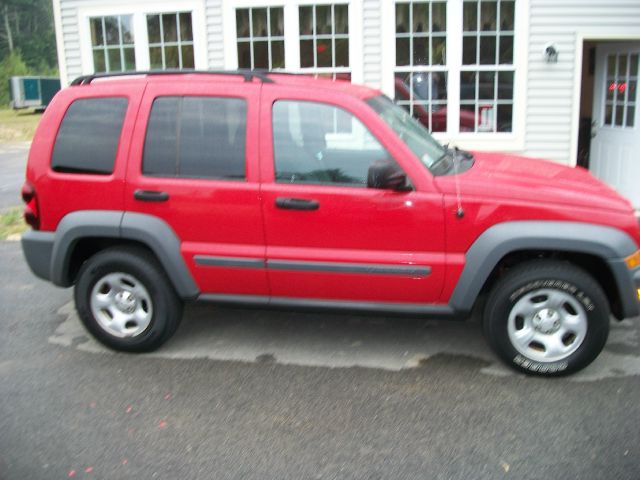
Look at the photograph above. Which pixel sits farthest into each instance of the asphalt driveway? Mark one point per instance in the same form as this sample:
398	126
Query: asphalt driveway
252	394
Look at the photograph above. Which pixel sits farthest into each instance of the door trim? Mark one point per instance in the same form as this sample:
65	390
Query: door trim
314	266
372	268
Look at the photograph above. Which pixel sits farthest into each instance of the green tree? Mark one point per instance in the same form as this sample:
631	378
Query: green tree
10	65
26	26
27	41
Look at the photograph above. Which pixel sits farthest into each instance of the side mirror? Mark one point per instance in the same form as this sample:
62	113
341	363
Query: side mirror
387	175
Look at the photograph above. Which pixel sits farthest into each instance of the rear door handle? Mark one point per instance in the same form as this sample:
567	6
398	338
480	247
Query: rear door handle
150	196
297	204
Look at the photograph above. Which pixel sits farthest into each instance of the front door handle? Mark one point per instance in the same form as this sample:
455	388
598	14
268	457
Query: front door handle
297	204
151	196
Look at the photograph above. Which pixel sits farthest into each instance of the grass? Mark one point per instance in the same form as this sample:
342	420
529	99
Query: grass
18	125
11	222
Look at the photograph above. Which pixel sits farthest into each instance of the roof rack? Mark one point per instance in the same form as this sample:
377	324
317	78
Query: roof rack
248	75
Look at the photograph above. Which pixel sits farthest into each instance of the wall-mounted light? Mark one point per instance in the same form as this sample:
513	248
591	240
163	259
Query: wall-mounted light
550	53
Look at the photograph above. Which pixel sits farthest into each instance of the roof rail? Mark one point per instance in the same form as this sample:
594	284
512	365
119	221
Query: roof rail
247	74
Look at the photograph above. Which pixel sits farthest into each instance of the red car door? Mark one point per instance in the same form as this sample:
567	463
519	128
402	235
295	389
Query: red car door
329	237
194	164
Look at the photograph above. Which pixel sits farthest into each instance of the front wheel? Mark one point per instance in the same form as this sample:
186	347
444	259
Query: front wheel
547	318
125	299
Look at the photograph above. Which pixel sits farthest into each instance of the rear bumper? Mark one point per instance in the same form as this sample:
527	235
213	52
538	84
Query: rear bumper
37	248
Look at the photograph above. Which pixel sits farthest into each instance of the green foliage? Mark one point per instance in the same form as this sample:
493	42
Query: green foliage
32	31
28	26
9	66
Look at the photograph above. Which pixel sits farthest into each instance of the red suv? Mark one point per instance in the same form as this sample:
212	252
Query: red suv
145	191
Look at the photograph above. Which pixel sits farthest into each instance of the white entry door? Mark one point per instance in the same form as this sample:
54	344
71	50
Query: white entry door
615	149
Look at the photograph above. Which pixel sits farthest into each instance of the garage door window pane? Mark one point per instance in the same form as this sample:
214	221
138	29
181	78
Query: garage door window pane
260	38
112	43
170	40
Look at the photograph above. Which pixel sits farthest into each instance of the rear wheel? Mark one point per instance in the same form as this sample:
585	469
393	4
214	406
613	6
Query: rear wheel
547	318
125	300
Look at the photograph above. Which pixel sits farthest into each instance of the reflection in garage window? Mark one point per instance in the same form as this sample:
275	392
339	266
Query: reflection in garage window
487	76
324	40
112	43
260	37
170	40
420	73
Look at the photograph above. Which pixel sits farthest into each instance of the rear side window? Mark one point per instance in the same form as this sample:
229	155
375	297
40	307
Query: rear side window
88	138
196	137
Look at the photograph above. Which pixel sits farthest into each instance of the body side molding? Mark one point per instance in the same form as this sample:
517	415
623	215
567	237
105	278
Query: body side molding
607	243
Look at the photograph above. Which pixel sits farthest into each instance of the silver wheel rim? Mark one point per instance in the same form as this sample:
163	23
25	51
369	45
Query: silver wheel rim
121	305
547	325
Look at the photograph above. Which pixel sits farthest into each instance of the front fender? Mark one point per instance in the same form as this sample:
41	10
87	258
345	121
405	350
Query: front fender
607	243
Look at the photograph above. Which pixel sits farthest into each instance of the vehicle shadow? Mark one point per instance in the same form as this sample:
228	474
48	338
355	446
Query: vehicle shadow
338	340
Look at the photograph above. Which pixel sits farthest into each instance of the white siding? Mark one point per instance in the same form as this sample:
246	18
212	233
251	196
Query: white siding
552	106
215	34
372	42
71	38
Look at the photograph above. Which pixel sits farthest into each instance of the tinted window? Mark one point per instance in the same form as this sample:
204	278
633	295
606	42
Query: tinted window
319	143
88	138
202	137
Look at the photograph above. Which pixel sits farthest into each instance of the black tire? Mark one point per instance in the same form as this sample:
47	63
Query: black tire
536	285
159	304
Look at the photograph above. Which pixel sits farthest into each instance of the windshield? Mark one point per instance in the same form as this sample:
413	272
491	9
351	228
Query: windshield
412	133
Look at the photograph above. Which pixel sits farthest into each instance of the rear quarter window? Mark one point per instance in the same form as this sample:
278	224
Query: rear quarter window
89	135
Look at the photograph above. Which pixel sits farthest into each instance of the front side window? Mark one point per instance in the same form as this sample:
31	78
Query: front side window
324	40
196	137
410	131
112	43
170	40
88	139
321	144
487	74
260	37
421	58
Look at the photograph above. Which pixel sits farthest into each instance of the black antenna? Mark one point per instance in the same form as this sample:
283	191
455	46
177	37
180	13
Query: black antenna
459	210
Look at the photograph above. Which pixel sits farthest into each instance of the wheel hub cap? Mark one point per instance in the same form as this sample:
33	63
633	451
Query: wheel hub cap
547	321
121	305
547	325
125	301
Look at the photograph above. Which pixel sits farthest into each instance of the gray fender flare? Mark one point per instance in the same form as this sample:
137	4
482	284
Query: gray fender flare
607	243
149	230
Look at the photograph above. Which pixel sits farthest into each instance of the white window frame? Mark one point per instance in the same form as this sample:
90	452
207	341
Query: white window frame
120	46
163	45
616	103
292	33
251	40
507	141
139	10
